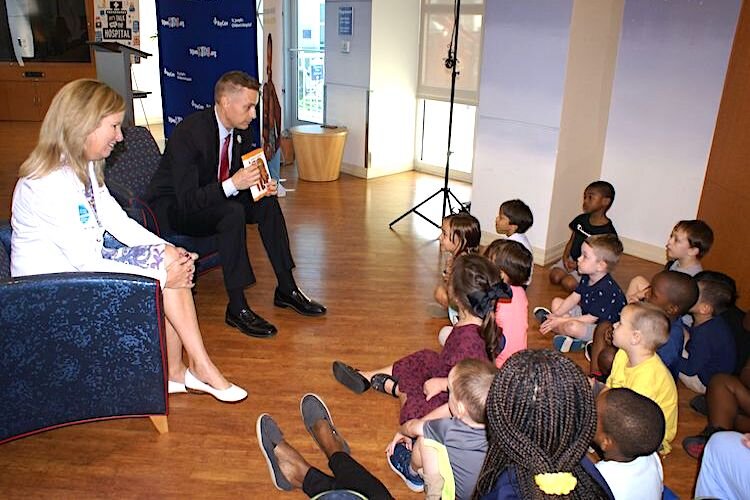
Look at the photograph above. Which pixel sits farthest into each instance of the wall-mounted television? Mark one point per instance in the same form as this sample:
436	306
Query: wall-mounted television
44	31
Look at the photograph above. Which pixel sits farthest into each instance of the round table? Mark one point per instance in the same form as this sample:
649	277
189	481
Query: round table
318	151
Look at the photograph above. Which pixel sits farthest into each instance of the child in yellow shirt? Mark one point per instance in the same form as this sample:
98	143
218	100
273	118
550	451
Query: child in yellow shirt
642	329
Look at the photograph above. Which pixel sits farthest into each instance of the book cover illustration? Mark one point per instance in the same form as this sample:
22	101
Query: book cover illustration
257	157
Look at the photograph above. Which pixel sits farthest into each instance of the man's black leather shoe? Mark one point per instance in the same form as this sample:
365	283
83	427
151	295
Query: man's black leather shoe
250	324
298	301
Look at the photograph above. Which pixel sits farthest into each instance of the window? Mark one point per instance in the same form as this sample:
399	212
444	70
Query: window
435	85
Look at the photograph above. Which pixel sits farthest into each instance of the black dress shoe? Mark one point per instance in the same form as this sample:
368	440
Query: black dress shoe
250	323
298	301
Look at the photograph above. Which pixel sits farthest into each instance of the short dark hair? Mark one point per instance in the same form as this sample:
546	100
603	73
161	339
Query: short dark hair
717	294
606	247
722	278
605	189
519	214
699	234
233	81
634	422
472	379
681	289
512	258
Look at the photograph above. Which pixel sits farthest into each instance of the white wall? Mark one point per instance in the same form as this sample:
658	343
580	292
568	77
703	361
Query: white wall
348	77
394	60
520	102
670	74
146	73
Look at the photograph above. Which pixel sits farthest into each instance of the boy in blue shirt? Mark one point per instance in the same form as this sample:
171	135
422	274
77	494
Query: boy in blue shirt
597	200
674	293
597	297
710	348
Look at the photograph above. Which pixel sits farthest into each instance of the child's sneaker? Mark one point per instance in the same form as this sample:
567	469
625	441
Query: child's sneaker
444	333
699	404
541	313
563	343
587	349
400	463
694	445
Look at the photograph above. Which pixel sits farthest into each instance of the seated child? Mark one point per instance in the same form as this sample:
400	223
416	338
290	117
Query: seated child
724	469
597	199
541	418
710	348
450	451
728	399
641	330
515	263
733	315
420	380
689	242
629	431
460	234
672	292
597	298
513	220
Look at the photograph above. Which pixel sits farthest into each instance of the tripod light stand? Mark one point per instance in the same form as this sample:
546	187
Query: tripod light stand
451	63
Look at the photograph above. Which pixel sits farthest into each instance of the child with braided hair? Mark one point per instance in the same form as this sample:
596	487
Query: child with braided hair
420	380
541	418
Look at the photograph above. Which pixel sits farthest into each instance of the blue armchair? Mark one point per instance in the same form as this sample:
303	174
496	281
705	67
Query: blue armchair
78	347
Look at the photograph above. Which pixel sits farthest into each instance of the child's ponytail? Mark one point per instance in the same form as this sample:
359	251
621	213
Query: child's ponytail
483	304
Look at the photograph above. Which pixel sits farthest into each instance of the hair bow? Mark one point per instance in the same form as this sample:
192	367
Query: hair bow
484	302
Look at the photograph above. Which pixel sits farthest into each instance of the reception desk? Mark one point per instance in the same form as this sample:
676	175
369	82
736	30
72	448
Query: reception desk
318	151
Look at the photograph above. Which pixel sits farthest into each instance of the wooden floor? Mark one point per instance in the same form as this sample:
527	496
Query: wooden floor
377	285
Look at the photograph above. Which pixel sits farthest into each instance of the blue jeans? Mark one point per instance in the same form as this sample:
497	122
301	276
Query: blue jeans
274	165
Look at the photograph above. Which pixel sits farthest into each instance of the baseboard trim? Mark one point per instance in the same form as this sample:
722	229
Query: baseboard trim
644	251
373	172
546	256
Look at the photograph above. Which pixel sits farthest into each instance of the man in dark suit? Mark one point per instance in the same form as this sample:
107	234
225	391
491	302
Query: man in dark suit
201	189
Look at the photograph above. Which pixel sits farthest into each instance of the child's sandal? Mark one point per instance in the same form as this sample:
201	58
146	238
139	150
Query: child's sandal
378	381
350	377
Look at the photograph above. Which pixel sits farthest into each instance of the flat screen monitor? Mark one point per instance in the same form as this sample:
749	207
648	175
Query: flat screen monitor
44	31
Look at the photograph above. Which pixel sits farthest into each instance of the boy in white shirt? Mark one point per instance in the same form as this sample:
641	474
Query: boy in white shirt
629	432
513	219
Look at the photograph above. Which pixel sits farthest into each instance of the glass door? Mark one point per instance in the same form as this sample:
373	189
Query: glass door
307	61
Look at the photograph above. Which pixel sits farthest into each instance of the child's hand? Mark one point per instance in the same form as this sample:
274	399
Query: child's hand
746	440
570	264
434	386
398	438
413	428
549	325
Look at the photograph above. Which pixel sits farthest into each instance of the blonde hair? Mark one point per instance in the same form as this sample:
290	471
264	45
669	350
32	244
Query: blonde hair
76	111
651	322
606	247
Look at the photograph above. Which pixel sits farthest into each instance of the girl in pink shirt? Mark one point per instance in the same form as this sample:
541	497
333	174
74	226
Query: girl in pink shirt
515	263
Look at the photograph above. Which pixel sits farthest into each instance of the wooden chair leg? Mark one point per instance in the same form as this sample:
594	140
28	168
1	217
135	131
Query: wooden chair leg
160	422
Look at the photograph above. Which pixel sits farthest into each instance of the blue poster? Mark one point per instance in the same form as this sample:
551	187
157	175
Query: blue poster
200	40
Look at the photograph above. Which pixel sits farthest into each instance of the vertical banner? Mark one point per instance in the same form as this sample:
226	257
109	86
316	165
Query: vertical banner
199	40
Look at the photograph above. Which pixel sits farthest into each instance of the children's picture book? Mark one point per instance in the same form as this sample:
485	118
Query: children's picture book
257	157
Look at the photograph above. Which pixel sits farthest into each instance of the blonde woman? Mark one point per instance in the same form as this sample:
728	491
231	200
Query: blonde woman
61	209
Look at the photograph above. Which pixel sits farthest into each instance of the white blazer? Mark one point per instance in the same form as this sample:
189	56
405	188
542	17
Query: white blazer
55	229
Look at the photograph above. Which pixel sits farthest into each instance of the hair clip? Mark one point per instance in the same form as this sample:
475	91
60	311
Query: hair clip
556	483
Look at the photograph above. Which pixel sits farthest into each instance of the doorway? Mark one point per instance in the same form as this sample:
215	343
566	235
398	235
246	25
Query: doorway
306	62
